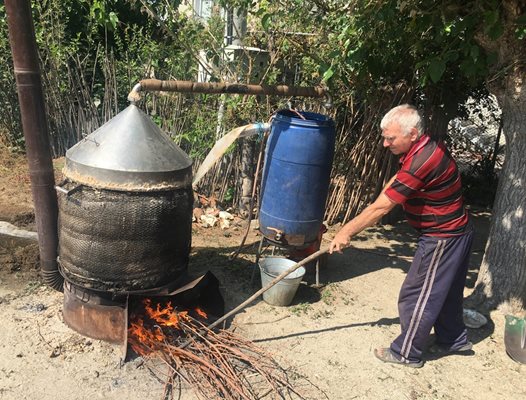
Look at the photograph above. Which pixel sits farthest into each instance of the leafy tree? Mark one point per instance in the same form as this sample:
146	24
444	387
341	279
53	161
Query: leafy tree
468	41
10	124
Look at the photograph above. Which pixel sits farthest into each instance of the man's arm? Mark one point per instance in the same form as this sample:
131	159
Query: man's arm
368	217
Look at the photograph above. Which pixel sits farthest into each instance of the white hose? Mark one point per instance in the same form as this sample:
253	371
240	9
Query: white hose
221	146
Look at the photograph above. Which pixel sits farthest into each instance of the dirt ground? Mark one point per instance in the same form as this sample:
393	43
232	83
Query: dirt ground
325	339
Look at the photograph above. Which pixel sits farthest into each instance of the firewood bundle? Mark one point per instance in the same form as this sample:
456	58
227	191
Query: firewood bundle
216	364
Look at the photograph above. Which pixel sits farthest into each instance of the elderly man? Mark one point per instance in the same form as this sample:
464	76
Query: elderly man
429	189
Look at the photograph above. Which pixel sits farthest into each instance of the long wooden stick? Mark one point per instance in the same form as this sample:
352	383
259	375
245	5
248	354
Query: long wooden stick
278	278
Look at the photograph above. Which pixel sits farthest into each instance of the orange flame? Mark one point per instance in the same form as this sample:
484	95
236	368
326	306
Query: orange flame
146	333
146	337
200	312
165	316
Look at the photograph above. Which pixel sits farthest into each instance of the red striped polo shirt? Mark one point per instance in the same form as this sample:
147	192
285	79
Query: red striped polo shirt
429	189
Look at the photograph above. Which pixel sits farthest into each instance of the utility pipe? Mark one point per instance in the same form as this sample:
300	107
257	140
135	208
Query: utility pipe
34	124
224	87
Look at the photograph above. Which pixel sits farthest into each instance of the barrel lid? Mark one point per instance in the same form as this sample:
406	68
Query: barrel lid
303	118
130	153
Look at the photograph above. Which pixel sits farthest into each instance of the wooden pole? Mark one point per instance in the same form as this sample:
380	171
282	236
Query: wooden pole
277	279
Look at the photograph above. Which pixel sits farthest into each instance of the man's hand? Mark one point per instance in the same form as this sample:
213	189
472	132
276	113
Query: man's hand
340	242
368	217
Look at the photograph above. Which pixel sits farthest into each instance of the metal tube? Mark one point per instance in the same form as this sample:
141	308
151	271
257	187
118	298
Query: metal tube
224	87
34	124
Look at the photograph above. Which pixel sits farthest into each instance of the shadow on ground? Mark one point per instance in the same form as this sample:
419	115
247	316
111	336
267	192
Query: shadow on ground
380	322
474	335
394	247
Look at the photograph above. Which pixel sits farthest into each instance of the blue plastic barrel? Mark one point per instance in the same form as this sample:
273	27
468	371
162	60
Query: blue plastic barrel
296	177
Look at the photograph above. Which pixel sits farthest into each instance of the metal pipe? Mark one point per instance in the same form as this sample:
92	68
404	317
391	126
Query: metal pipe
34	124
224	87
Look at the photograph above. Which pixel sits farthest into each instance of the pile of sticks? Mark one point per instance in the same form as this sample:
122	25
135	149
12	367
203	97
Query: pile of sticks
216	364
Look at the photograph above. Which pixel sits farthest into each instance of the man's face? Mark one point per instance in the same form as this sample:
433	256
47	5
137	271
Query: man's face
394	138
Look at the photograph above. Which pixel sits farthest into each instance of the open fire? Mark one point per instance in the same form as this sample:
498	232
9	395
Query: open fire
153	326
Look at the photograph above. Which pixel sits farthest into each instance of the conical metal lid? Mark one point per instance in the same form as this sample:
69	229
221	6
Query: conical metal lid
131	153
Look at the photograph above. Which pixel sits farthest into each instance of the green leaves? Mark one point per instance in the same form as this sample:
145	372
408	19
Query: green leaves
493	24
328	74
436	69
266	20
113	19
496	31
102	16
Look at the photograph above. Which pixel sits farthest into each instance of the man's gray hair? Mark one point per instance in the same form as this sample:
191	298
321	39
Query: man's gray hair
407	116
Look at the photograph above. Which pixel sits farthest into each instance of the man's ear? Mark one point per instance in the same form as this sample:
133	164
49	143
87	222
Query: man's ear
414	134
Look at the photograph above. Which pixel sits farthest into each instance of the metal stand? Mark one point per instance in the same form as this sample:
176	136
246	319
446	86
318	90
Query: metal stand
275	246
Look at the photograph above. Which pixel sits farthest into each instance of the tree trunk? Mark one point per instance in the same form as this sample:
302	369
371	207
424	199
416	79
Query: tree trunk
437	123
439	109
246	175
502	276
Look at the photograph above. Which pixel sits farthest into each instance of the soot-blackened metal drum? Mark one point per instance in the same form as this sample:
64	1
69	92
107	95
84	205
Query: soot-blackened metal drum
125	208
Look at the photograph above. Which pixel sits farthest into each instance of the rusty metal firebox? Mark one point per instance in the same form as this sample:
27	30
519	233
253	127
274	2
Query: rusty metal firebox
125	215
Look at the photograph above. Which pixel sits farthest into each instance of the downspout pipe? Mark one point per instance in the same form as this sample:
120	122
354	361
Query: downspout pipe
34	124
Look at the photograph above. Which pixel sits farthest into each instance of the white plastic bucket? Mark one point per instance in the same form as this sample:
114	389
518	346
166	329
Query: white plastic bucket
282	293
